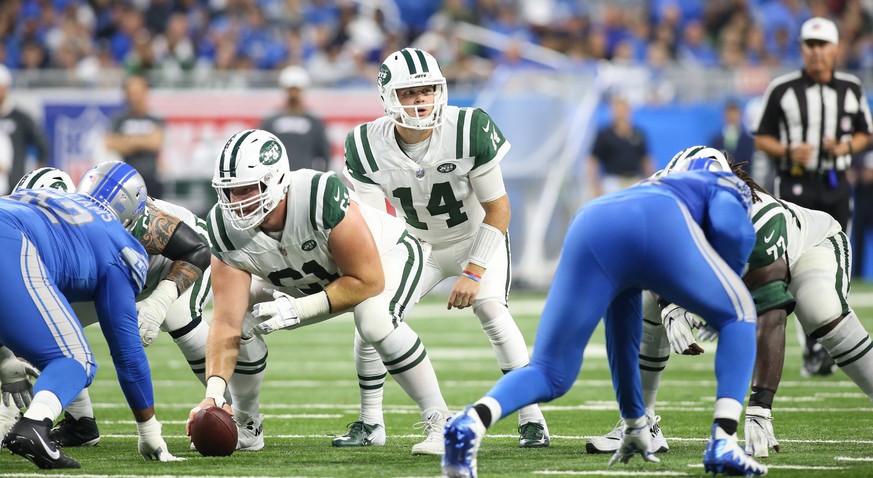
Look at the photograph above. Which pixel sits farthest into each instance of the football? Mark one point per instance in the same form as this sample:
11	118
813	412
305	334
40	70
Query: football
213	432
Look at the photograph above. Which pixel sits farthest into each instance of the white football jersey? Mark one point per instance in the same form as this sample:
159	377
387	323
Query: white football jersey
159	265
783	227
434	195
316	203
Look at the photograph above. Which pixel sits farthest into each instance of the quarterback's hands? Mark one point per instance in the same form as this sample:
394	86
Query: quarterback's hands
680	325
152	310
151	444
206	403
15	378
759	432
277	314
634	441
463	293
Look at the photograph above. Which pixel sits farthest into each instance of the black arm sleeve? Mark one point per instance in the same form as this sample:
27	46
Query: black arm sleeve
186	245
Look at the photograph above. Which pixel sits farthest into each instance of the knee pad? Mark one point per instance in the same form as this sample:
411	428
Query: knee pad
373	320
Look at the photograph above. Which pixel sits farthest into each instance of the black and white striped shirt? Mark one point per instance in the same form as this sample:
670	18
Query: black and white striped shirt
799	110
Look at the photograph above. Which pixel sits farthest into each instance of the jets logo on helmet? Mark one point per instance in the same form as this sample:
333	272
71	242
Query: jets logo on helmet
118	187
271	151
46	178
251	158
412	68
698	158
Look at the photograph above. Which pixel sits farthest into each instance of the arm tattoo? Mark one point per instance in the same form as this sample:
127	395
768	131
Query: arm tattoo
183	274
160	230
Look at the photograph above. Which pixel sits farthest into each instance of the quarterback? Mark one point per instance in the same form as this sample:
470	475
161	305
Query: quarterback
439	167
293	248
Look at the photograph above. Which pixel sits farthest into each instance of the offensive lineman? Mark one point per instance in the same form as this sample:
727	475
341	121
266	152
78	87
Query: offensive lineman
438	166
301	234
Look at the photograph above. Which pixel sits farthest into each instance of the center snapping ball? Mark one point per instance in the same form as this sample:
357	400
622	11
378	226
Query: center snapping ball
213	432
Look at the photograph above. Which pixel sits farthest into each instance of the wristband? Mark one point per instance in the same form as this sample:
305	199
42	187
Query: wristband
311	306
485	244
471	276
215	388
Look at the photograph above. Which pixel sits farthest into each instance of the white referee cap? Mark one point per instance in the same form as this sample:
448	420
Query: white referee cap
819	28
294	77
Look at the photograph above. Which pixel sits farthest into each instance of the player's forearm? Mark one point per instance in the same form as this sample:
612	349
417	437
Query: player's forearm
349	291
222	348
770	145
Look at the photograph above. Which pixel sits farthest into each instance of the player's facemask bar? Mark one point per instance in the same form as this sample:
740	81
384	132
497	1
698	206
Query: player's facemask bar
398	112
249	212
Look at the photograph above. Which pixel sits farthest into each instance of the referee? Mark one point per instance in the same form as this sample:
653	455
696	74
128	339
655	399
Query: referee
812	122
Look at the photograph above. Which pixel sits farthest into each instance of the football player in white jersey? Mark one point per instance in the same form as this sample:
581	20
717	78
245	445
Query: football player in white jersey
802	263
178	248
439	167
292	249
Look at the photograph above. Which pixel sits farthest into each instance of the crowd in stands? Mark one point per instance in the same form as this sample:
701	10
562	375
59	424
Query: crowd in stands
342	42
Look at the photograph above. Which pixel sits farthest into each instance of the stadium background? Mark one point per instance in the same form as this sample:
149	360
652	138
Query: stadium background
544	69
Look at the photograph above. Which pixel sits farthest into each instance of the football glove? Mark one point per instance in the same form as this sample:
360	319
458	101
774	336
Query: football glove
708	334
151	444
152	310
276	314
634	440
680	325
759	432
15	377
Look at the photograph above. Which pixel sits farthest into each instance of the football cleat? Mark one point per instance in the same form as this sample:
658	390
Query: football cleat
759	432
361	434
463	436
251	436
610	442
816	360
533	435
433	424
723	455
30	438
71	432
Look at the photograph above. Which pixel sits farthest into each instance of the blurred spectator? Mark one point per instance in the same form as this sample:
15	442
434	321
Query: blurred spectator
302	133
862	223
24	133
733	136
620	156
138	136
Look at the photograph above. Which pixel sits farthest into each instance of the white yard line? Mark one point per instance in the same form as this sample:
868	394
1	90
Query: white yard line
851	458
610	473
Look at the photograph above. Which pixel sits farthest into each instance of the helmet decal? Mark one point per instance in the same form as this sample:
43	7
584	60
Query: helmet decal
271	151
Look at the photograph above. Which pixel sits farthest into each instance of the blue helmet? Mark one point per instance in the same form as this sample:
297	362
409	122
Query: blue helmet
118	187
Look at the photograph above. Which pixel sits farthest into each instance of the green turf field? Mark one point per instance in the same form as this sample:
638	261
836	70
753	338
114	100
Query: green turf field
311	393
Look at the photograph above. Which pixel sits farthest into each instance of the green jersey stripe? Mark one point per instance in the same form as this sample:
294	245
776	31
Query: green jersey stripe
841	271
459	139
424	68
222	242
334	196
765	210
468	127
368	153
409	63
314	206
409	281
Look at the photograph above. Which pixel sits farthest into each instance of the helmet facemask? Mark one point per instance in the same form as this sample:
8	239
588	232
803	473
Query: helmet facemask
412	68
255	160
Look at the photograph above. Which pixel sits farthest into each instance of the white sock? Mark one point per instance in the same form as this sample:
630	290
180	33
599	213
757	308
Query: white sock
193	347
509	348
45	404
493	406
81	406
371	381
248	376
406	360
654	353
728	408
851	348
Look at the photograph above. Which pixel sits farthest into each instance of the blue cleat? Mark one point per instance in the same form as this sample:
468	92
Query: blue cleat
463	436
723	455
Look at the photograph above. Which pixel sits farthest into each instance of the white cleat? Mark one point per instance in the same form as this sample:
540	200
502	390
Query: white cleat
433	422
610	442
250	437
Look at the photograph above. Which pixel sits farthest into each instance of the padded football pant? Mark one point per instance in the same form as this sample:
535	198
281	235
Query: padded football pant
603	267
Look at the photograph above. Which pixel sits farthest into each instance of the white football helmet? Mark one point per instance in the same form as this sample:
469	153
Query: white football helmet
118	187
698	158
251	157
46	178
408	68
